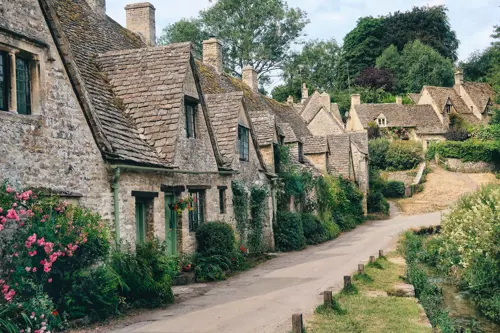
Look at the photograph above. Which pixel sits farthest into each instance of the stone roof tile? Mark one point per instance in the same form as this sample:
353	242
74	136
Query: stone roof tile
316	145
340	160
265	126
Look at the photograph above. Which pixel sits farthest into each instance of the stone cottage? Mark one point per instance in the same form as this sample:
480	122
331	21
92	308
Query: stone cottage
472	101
412	122
99	114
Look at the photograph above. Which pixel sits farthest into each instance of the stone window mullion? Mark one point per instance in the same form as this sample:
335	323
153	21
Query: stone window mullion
13	82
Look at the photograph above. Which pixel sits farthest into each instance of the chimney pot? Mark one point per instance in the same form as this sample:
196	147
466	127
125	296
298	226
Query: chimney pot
355	100
250	77
305	93
289	100
399	100
98	6
459	78
212	54
141	20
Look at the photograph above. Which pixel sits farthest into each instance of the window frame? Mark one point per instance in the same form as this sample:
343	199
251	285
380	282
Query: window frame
277	157
244	143
27	82
301	152
190	111
4	56
447	108
222	201
140	222
197	215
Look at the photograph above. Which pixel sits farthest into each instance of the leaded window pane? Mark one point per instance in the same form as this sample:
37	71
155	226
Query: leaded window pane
4	75
190	109
243	143
23	86
197	214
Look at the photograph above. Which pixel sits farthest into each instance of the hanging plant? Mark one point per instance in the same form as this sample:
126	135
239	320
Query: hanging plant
182	204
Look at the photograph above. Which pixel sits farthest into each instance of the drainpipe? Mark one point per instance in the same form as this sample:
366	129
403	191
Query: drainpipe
116	190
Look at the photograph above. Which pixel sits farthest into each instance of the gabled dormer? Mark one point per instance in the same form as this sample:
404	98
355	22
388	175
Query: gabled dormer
381	120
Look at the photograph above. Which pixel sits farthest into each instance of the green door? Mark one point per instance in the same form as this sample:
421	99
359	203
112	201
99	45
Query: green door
170	225
140	222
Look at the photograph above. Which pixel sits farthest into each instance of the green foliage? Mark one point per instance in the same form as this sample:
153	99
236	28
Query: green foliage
331	228
403	155
258	197
486	133
215	238
240	208
467	151
288	232
376	201
416	66
146	274
212	268
257	33
314	231
185	30
378	151
394	189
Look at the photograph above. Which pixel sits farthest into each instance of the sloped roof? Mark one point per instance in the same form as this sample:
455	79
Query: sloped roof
80	35
480	93
316	145
441	95
422	117
414	97
215	83
288	132
360	140
334	109
149	82
340	159
265	127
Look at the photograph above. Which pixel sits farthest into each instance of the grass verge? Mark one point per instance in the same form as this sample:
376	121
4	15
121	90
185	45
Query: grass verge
366	312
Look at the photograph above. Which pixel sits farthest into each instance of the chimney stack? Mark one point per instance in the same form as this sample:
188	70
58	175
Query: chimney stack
250	77
141	20
459	78
325	101
355	100
305	93
98	6
212	54
399	100
289	100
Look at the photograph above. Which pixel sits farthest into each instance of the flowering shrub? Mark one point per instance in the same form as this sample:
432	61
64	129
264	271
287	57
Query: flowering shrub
182	204
44	242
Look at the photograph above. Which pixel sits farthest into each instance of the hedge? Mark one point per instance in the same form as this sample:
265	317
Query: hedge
466	151
288	232
394	189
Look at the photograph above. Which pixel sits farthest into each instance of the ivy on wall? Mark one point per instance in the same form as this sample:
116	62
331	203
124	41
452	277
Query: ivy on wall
240	207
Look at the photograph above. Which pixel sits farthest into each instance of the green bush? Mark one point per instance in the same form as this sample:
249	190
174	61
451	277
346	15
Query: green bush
331	228
314	231
215	238
288	232
468	151
212	267
376	201
394	189
378	150
404	155
146	274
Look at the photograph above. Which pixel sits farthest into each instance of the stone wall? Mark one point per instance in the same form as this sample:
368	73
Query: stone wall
53	147
360	164
324	124
319	161
456	165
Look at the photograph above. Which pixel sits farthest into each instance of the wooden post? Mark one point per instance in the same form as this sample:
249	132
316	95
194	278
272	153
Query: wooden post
361	269
372	259
297	324
327	298
347	281
380	253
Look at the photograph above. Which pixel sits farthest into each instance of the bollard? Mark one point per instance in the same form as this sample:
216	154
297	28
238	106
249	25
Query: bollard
297	323
372	259
347	281
380	253
361	269
327	298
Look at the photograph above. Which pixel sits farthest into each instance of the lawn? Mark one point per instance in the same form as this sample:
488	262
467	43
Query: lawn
365	312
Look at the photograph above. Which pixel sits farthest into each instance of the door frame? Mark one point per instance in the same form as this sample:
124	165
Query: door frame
170	224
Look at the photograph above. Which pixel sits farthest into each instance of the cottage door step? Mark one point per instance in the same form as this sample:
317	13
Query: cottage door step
170	225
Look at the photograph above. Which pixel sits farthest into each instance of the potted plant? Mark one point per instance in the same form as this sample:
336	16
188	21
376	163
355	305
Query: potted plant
186	263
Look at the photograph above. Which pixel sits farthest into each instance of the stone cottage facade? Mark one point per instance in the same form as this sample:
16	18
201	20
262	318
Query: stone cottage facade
104	118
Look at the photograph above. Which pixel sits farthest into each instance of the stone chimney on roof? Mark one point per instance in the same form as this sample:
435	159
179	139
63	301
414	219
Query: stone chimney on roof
98	6
289	100
212	54
459	78
250	77
355	100
141	20
305	93
399	100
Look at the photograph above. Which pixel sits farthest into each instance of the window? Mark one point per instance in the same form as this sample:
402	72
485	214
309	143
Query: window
222	200
197	215
381	121
276	152
243	142
140	222
447	108
190	108
301	152
4	81
23	86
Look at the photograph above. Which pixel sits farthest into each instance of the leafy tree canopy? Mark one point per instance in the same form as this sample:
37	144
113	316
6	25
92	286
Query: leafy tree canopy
372	36
375	78
417	65
185	30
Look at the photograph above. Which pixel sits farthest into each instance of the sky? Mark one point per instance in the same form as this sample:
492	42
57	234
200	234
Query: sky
473	20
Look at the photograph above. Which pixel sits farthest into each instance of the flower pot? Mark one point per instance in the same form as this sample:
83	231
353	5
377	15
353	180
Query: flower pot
187	268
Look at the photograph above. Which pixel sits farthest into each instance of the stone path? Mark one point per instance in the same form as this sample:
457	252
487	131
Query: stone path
263	299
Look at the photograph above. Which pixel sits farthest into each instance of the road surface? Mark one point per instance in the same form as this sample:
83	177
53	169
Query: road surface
263	299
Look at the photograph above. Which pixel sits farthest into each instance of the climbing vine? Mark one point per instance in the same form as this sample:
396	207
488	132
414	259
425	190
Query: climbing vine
258	196
240	207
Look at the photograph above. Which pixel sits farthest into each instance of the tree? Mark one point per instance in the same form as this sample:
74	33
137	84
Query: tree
372	36
258	33
375	78
417	65
185	30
